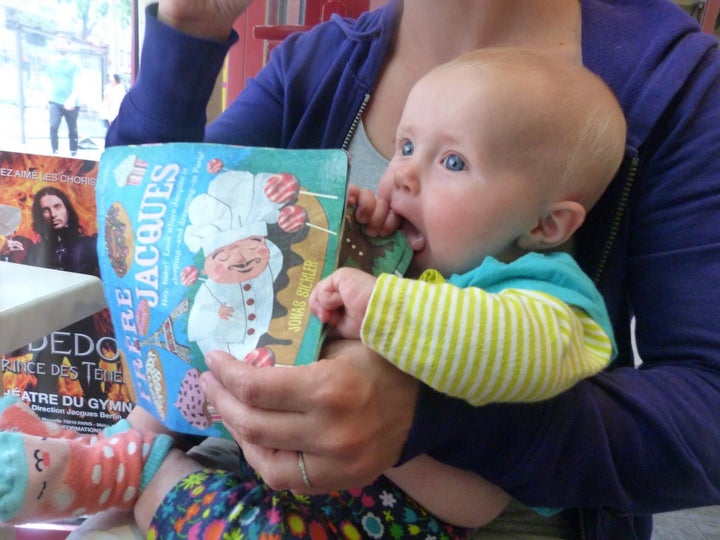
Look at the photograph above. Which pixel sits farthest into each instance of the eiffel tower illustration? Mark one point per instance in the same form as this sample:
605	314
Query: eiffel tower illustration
164	336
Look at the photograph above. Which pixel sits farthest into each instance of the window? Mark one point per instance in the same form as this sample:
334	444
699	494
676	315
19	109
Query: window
99	37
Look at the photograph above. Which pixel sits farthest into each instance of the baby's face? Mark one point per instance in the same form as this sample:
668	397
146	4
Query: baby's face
459	205
240	261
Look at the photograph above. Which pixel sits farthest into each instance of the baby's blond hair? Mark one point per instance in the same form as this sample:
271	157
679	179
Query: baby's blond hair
552	120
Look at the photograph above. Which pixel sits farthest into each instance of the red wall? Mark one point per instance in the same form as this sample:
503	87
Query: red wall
248	55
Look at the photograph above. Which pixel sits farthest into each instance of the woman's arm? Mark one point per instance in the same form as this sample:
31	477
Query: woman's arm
306	96
176	79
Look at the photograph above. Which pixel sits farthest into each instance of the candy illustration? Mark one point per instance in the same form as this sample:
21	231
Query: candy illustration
282	188
214	166
260	357
189	275
292	218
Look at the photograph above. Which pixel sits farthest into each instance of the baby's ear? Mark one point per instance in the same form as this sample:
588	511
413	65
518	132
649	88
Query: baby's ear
555	228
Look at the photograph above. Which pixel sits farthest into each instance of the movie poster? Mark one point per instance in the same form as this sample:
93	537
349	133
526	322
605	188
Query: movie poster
76	375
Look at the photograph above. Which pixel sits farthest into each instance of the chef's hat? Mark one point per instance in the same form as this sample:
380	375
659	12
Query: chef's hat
218	239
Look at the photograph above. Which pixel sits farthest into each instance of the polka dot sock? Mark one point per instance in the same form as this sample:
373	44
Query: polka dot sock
47	477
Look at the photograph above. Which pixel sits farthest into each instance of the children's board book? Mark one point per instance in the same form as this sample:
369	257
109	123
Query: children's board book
206	246
75	375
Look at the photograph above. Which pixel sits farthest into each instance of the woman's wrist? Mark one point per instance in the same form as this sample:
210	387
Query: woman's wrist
197	28
197	21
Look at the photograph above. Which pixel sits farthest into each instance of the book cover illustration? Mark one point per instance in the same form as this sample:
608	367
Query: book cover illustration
206	246
75	375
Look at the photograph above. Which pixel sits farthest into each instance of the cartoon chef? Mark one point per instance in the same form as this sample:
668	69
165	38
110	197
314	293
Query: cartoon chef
233	306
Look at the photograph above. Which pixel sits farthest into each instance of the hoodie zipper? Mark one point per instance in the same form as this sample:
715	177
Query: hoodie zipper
619	214
356	122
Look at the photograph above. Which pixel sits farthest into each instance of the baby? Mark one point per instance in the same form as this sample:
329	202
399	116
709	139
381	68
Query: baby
499	155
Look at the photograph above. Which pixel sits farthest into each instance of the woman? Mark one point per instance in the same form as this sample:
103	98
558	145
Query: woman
633	441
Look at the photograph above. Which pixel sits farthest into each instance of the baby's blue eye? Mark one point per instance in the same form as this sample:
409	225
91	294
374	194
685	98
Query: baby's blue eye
454	163
407	148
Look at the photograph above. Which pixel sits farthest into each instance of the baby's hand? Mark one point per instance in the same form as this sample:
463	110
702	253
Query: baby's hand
372	212
341	300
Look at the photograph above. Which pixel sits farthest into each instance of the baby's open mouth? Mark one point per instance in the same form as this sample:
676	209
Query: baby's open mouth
416	239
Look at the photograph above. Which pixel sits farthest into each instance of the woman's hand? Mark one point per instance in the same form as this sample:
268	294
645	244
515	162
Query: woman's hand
350	415
212	19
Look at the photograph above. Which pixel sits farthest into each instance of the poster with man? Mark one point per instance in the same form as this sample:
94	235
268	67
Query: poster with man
76	375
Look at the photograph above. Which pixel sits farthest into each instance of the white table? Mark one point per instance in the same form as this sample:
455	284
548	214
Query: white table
37	301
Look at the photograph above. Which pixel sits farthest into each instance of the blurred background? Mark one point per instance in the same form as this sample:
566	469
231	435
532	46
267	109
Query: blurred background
101	43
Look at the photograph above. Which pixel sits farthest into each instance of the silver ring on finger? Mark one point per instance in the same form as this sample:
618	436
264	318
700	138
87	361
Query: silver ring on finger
303	470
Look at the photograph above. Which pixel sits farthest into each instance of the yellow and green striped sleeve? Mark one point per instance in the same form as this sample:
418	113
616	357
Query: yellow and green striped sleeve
512	346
